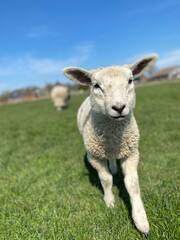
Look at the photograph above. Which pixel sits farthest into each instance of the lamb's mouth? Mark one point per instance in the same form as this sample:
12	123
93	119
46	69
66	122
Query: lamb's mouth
118	117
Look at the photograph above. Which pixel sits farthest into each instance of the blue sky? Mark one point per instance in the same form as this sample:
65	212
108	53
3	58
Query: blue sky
40	37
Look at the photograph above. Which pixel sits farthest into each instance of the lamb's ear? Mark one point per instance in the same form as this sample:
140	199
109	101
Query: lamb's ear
143	64
79	75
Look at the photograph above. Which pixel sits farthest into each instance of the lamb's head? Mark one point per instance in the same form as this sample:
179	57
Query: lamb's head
111	88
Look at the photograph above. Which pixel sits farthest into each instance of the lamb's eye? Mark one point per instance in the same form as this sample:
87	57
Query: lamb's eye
96	85
130	81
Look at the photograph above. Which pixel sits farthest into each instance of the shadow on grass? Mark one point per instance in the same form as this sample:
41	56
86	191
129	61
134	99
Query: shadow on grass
92	173
117	181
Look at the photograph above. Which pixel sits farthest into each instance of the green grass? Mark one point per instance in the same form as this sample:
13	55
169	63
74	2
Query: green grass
47	192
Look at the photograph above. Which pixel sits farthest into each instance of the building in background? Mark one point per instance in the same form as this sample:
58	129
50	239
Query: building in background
167	73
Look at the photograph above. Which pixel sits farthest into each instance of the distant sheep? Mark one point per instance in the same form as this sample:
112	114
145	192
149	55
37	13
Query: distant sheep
109	129
59	95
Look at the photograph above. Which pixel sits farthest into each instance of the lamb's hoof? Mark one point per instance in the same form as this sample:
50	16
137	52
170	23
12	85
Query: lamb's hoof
140	221
146	235
110	205
109	201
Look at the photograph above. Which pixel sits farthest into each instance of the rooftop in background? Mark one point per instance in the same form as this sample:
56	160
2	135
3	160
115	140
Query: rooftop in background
170	72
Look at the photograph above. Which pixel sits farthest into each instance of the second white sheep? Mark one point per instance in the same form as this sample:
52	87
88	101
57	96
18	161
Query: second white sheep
59	95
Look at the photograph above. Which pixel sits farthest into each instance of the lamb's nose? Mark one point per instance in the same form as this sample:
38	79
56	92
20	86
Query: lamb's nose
119	109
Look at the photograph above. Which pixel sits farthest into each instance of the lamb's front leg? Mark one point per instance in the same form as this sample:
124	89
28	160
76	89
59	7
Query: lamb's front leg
106	179
129	167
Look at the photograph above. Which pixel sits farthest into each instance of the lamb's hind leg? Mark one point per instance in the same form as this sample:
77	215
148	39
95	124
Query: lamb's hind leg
106	179
129	167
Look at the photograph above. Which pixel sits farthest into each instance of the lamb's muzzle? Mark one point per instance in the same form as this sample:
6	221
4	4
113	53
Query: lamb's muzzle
119	109
120	112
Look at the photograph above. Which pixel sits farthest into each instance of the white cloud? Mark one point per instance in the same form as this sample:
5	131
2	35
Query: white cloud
171	58
6	71
28	63
136	57
30	70
157	7
166	59
166	4
38	32
86	48
3	86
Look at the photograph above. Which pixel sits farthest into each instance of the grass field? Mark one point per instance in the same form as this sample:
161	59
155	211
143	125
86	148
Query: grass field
47	190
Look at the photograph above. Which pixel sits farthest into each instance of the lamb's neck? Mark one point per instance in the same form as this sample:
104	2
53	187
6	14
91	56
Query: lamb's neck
99	119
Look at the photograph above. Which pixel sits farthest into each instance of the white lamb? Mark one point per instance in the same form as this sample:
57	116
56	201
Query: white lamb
109	129
60	95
